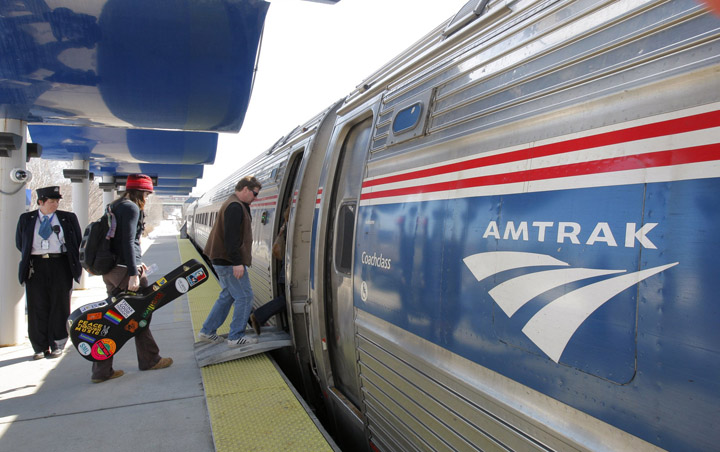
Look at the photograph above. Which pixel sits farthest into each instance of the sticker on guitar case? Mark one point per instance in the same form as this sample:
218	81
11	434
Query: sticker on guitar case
85	337
182	286
98	304
103	349
124	308
84	348
88	327
131	326
196	277
113	316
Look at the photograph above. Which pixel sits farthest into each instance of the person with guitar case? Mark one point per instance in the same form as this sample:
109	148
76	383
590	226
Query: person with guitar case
128	273
99	330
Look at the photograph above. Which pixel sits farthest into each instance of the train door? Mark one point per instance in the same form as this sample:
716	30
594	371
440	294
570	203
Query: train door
286	200
340	315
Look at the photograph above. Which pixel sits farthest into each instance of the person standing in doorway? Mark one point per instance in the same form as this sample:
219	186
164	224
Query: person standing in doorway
277	304
129	272
229	248
49	240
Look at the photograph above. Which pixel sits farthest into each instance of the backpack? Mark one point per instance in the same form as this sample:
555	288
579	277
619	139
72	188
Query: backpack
95	254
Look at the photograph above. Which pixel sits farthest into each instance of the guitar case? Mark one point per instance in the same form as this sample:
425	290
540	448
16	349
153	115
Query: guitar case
98	330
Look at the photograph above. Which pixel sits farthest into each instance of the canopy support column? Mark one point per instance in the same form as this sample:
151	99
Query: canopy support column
80	176
13	151
108	187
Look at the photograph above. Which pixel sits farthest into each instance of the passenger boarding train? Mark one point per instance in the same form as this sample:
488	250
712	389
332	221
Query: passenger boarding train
507	237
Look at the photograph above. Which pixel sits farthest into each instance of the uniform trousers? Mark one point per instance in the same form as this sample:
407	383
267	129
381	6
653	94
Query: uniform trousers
148	353
48	293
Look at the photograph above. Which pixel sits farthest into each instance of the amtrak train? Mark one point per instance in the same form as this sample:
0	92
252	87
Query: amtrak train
505	238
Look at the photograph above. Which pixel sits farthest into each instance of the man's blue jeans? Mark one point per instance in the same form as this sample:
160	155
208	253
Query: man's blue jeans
235	292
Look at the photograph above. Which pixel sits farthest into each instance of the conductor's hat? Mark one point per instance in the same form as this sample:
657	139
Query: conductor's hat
49	192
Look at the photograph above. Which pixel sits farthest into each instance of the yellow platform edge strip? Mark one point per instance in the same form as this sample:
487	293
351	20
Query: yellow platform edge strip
251	406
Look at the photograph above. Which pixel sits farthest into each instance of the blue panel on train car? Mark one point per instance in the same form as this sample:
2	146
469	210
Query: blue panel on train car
313	241
580	262
400	262
578	246
645	259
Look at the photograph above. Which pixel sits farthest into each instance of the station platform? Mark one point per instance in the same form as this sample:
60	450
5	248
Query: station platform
240	405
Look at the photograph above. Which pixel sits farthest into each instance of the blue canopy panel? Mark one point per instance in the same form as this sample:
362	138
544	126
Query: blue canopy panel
172	191
151	169
170	183
175	64
105	144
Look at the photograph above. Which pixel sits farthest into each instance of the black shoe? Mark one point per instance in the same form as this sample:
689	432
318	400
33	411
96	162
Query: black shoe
54	354
38	355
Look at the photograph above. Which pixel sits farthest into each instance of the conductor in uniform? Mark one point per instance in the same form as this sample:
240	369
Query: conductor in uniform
49	240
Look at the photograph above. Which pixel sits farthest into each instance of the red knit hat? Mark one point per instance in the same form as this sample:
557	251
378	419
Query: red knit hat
139	182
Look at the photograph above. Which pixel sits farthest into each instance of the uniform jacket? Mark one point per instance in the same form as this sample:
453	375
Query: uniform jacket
24	240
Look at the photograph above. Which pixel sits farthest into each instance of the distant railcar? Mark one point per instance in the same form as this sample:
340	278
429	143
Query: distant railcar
506	238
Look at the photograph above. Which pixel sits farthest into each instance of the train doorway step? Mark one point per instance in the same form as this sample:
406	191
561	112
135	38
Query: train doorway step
207	353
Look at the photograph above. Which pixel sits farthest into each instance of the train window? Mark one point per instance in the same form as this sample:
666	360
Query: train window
344	237
407	118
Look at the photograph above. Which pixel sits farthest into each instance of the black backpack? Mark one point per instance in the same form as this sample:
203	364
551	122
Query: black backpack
95	254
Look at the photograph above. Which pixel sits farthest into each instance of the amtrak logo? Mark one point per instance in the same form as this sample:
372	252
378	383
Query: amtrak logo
552	327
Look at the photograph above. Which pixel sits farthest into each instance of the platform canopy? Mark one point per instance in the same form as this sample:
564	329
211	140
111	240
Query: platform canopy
130	85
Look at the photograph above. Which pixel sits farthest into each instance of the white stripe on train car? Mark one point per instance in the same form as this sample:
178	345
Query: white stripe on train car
681	148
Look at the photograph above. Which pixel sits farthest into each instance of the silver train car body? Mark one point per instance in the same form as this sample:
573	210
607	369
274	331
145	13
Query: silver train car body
504	238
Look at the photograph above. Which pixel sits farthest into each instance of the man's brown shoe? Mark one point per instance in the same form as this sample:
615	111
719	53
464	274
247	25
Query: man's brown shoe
163	363
255	324
116	374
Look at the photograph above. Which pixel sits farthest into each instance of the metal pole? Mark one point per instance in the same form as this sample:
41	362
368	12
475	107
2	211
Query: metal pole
108	194
12	300
81	201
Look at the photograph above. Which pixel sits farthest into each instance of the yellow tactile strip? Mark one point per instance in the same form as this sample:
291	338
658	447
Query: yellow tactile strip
251	407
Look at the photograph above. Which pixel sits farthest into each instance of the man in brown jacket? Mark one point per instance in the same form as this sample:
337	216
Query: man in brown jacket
229	248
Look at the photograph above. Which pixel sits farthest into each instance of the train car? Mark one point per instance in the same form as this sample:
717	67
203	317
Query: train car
188	216
504	239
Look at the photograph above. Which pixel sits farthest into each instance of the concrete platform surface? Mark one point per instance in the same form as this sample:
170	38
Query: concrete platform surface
51	405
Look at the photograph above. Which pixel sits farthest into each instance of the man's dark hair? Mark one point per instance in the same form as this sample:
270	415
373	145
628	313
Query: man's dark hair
248	181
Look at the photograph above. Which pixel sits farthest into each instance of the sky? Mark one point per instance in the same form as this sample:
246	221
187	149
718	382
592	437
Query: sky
312	55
